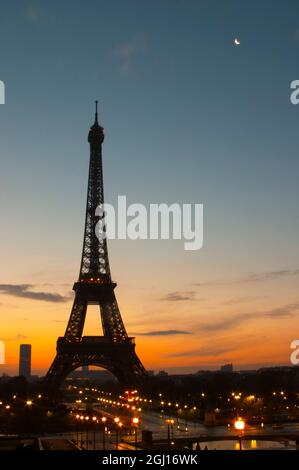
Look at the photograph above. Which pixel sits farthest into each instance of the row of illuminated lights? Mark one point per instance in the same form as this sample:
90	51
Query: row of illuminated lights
103	420
239	394
129	398
169	404
27	402
111	403
7	407
90	389
236	396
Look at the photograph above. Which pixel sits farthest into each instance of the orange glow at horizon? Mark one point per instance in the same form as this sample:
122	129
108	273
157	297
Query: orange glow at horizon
40	323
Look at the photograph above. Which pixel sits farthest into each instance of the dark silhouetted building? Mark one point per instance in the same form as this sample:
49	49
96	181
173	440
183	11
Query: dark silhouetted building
25	360
227	369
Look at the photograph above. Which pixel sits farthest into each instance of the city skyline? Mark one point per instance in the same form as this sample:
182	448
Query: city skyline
177	129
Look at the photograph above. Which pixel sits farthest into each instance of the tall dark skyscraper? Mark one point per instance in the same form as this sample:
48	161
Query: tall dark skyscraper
25	360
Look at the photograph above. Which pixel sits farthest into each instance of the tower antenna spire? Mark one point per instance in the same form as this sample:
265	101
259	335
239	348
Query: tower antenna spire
96	113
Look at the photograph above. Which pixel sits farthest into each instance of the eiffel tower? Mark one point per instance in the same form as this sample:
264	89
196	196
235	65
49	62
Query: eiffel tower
114	351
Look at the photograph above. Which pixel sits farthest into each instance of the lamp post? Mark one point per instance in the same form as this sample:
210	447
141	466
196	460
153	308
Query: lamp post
240	426
77	429
104	419
87	435
81	437
169	423
116	420
135	422
94	419
186	418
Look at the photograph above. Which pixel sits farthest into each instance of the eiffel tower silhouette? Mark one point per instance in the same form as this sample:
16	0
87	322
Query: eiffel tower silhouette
114	351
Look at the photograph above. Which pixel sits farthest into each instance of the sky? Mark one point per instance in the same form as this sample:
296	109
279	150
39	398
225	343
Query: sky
189	118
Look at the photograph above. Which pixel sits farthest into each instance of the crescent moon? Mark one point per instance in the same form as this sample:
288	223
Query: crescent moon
237	42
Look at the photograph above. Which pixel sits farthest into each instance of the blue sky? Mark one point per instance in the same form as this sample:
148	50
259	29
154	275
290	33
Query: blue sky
188	117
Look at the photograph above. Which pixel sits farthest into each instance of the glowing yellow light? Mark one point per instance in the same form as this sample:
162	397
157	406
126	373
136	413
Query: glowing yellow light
29	402
253	444
135	421
116	420
239	424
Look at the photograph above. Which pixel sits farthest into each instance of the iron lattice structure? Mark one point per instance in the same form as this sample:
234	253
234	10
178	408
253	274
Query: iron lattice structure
114	351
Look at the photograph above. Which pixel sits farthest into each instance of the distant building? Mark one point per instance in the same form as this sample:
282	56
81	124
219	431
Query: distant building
25	360
227	369
162	373
151	373
248	372
92	375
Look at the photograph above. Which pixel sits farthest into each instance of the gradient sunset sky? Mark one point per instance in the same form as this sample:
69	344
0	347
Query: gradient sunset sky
188	117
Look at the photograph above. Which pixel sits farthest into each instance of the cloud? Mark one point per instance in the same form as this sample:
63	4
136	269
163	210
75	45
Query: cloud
233	322
202	352
164	333
18	337
270	275
128	51
178	296
253	278
24	291
241	300
281	312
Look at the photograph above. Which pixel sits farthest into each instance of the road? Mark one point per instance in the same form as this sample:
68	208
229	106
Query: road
153	421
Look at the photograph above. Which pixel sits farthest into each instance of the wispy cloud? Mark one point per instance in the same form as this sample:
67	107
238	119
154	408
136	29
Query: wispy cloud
281	312
205	352
252	278
18	337
128	51
178	296
25	291
163	333
245	299
229	323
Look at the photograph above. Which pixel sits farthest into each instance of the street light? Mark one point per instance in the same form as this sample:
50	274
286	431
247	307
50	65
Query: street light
240	426
169	423
116	420
87	435
104	419
81	434
135	422
29	402
94	419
